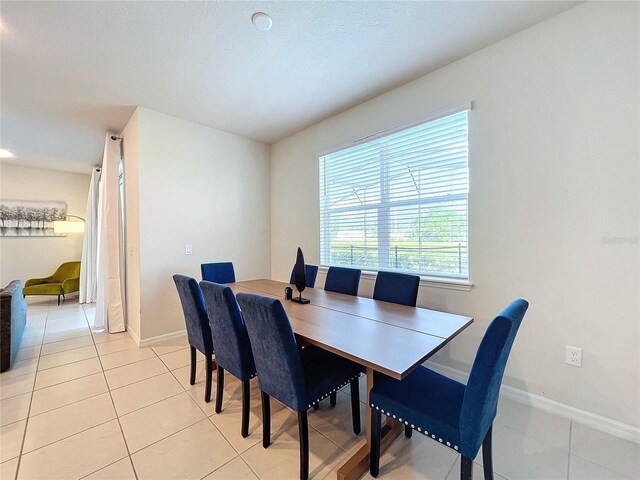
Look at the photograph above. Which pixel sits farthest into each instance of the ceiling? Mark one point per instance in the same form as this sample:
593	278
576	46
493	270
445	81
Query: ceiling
71	71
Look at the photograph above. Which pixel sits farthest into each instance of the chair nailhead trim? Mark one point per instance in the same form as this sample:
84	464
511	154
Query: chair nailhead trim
335	390
425	432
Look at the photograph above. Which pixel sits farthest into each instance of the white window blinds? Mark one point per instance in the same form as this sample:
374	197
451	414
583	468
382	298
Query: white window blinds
399	202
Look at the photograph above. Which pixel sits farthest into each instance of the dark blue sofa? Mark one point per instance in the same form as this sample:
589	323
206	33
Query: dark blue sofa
13	318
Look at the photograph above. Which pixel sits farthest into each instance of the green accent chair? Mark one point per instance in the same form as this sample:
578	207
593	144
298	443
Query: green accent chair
65	280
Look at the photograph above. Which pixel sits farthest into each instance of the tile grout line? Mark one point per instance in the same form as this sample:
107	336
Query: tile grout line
23	393
69	363
453	466
106	466
63	351
218	468
590	460
115	411
250	467
66	381
125	364
187	390
69	436
67	404
238	454
149	405
137	381
26	425
167	436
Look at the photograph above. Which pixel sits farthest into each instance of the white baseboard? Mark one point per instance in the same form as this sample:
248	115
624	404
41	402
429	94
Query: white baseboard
161	338
134	335
604	424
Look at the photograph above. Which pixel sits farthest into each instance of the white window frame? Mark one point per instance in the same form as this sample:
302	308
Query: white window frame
426	280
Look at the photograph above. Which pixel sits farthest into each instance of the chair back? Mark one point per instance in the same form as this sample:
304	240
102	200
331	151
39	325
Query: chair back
274	348
343	280
229	333
483	388
220	272
195	314
310	272
67	270
397	288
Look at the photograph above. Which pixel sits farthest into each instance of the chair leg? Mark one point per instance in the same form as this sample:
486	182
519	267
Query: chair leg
219	388
374	455
192	375
466	468
355	405
58	300
333	398
303	432
246	404
408	431
487	456
207	387
266	420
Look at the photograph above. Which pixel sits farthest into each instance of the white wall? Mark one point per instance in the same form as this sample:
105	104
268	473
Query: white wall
198	186
23	258
131	162
554	152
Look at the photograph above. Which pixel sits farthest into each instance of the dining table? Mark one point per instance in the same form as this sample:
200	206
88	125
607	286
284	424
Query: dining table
384	338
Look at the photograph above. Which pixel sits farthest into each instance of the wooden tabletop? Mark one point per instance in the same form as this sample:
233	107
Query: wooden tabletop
388	338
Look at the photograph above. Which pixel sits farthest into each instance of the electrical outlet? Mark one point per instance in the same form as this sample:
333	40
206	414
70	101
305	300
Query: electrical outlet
574	356
131	251
188	250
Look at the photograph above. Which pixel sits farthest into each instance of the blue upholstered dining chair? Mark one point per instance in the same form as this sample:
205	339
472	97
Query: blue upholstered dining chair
220	272
397	288
296	377
198	330
310	273
458	416
233	350
343	280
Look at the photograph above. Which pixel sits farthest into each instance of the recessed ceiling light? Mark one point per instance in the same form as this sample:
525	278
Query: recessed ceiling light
5	153
261	20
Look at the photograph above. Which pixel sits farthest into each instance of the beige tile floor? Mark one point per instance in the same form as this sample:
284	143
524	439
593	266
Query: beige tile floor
83	404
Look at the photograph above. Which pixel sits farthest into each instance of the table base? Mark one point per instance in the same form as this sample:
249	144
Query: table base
358	465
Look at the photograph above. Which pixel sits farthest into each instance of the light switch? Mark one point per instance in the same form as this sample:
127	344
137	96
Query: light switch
188	250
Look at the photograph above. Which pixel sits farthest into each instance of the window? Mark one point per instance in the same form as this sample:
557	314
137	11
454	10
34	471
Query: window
399	201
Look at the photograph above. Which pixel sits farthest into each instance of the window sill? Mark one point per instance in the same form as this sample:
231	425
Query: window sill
425	281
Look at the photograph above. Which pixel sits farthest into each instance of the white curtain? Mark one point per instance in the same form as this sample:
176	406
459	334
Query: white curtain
89	265
109	304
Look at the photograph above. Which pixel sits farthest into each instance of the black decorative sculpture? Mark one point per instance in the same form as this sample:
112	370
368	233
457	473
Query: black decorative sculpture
300	277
